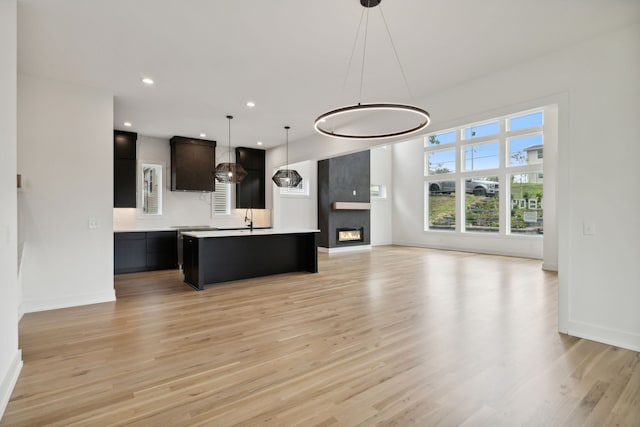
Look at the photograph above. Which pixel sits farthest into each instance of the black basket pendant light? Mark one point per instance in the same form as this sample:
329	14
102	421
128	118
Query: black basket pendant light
231	173
288	178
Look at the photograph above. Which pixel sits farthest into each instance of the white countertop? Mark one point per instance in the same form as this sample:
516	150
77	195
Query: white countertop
176	228
247	232
142	230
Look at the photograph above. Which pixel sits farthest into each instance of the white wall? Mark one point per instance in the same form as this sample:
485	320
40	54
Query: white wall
382	208
179	208
316	148
65	156
10	357
297	211
596	87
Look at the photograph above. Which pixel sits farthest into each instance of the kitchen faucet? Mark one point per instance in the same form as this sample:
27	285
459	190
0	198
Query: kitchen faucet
250	219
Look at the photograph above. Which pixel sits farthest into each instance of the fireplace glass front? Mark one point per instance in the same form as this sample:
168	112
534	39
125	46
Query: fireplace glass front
350	235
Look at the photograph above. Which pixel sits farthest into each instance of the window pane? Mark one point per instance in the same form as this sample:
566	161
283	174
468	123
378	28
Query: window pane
441	205
442	138
527	203
482	204
478	131
526	150
442	161
378	191
526	121
221	199
481	156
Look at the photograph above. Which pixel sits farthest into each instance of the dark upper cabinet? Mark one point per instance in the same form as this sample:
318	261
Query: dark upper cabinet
250	192
250	158
193	162
124	169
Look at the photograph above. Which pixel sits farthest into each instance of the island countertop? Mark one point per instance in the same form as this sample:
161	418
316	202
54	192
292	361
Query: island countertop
247	232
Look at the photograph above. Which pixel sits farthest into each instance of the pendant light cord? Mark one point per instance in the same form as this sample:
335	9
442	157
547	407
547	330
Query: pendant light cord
287	129
364	54
229	151
353	51
395	51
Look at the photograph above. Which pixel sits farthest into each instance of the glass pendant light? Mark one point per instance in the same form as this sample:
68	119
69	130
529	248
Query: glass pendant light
231	173
288	178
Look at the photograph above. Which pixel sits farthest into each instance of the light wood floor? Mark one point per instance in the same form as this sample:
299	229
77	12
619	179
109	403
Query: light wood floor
397	336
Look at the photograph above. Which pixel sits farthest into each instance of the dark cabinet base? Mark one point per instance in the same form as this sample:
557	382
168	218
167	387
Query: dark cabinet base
221	259
144	251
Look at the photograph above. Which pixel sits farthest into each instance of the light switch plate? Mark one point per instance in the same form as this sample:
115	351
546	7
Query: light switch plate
588	228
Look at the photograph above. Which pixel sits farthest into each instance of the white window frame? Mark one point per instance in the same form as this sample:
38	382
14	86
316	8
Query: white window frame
221	200
503	171
382	191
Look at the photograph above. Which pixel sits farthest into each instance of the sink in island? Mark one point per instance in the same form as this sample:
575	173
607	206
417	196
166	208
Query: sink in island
225	255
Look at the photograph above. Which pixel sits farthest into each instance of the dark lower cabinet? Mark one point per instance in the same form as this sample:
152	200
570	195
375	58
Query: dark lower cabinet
130	252
145	251
162	250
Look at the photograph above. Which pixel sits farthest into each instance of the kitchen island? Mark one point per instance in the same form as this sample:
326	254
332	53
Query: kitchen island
226	255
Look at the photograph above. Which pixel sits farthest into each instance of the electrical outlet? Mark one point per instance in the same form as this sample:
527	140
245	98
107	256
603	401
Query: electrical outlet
354	192
94	223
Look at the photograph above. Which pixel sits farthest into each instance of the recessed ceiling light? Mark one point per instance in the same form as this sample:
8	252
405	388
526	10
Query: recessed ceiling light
127	124
147	81
259	142
251	104
203	135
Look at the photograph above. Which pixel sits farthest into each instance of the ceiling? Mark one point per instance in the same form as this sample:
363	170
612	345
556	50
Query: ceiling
209	57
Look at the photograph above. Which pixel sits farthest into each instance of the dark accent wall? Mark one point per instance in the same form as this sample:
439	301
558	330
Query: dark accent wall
338	178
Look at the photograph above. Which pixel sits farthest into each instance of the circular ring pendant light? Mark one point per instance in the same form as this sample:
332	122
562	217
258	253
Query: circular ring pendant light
414	119
408	110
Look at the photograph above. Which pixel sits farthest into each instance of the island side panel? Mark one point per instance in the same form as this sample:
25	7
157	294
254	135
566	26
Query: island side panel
223	259
191	262
307	252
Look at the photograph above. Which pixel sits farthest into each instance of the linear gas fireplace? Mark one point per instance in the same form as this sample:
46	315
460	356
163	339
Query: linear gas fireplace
350	234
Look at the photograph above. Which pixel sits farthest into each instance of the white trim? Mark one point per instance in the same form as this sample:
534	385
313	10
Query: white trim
472	249
622	339
354	248
550	267
9	381
224	190
69	301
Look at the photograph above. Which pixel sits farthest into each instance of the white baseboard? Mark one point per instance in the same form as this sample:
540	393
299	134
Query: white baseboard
473	250
9	381
344	249
550	267
617	338
31	306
